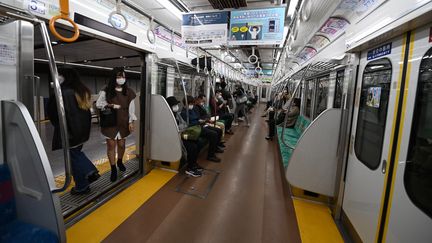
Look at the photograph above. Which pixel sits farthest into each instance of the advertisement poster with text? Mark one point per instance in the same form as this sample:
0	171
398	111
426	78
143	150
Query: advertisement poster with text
205	29
257	27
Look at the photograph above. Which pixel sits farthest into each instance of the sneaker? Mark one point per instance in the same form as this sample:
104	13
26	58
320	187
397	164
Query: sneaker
221	145
199	168
219	150
74	191
269	138
193	172
214	159
241	119
234	124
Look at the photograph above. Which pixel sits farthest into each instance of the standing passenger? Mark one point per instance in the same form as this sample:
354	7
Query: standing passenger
121	98
240	105
76	100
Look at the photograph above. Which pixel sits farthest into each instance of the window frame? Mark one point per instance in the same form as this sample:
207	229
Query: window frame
358	114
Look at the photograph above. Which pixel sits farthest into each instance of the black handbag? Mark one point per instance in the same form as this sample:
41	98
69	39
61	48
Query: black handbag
108	117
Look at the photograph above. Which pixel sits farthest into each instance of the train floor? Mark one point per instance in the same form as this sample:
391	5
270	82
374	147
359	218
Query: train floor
242	199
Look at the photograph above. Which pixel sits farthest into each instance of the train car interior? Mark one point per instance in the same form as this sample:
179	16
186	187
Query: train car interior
216	121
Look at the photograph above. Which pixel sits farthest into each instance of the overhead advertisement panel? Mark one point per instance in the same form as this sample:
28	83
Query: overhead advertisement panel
257	26
205	29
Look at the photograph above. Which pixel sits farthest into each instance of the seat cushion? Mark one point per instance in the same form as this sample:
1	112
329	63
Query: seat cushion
19	232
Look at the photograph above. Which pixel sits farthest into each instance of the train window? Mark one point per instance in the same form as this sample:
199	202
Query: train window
372	112
339	89
309	90
321	95
418	171
161	80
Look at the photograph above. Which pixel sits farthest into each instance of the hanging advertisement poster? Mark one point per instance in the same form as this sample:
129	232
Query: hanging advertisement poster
205	29
374	97
166	35
257	27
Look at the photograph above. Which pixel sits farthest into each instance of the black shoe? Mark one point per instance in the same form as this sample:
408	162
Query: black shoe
73	191
93	177
193	172
263	115
229	132
120	165
219	150
113	176
214	159
221	145
269	138
199	168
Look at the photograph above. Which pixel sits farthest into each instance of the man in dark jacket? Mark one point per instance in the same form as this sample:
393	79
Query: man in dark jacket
210	135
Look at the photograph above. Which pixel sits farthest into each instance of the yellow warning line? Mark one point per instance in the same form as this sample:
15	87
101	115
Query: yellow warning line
316	223
100	223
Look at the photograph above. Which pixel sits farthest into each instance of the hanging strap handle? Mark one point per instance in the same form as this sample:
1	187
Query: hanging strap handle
117	12
64	14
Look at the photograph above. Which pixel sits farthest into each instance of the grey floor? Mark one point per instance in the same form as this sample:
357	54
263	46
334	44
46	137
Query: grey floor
94	148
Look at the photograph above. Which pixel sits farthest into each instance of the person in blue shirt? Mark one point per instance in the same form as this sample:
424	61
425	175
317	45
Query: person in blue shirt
210	135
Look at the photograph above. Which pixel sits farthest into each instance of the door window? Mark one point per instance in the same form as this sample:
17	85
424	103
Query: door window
309	90
418	171
321	95
373	112
339	89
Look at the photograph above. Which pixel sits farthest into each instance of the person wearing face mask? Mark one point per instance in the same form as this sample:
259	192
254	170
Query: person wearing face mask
218	107
191	147
121	98
212	136
77	103
214	125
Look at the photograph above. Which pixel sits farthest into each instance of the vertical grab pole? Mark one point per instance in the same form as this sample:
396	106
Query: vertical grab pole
184	91
290	104
60	105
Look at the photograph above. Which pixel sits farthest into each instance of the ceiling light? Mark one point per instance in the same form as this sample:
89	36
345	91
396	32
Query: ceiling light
170	7
376	67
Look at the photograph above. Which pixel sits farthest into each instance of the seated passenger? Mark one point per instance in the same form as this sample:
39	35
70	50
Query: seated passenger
293	114
77	103
199	106
212	136
192	148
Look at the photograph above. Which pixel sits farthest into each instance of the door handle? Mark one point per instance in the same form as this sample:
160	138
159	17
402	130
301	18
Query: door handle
384	166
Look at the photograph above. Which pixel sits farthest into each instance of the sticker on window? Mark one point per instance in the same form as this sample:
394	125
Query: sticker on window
374	97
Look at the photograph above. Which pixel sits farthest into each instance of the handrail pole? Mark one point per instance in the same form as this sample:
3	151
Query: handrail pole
290	104
60	105
184	92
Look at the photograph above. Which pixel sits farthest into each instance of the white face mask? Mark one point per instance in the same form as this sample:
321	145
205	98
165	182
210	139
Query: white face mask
191	107
61	79
121	81
175	108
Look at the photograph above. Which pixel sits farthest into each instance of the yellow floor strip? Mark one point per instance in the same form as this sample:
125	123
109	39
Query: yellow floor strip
316	223
99	224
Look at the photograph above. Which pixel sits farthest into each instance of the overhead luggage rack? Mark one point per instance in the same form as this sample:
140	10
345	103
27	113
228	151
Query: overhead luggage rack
315	69
184	67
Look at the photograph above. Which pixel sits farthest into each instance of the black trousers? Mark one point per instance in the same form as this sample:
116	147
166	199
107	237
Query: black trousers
218	131
271	124
213	138
228	118
192	149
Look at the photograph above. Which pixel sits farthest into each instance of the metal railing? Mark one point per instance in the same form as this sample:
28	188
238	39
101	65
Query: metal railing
290	104
20	14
